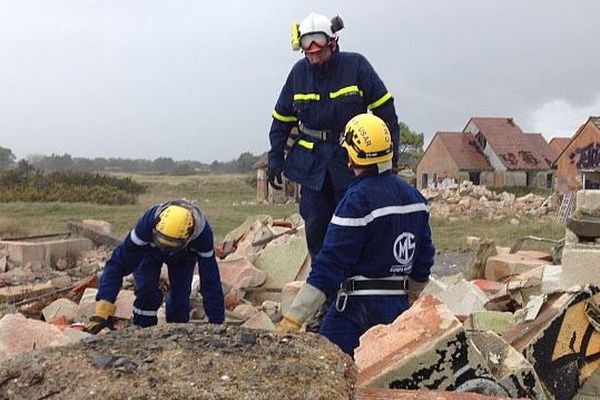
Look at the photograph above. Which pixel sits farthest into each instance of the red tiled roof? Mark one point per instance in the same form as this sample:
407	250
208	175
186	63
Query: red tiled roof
464	151
593	120
515	150
558	144
541	145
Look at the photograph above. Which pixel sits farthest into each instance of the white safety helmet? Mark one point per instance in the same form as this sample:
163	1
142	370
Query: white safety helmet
317	31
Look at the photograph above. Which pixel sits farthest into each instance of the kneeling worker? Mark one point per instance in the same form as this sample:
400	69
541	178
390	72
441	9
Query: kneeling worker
377	253
176	233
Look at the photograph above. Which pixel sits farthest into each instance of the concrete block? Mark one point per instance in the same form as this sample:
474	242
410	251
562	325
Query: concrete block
87	305
11	294
502	266
425	347
124	304
510	369
588	200
259	321
237	276
288	293
98	225
245	311
48	251
463	298
60	308
566	350
581	265
434	286
75	335
19	334
282	262
272	309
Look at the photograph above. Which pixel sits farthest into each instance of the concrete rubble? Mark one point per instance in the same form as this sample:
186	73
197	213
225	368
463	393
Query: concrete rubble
474	201
514	325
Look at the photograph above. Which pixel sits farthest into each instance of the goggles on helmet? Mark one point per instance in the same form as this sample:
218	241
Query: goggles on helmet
319	39
348	138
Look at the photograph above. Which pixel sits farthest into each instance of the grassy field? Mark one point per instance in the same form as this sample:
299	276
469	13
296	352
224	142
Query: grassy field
227	200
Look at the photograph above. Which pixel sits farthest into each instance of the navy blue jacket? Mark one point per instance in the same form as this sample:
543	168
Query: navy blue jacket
380	228
326	98
138	244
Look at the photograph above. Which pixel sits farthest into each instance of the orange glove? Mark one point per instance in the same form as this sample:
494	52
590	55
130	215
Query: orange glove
288	325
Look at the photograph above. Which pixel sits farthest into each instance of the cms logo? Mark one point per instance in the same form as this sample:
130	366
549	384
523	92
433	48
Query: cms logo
404	248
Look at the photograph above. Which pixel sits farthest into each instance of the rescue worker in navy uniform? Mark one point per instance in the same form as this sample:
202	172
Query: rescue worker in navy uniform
176	233
322	93
377	253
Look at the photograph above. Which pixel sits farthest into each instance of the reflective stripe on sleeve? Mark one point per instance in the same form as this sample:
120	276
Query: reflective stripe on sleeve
284	118
146	313
380	212
306	144
307	96
346	90
135	239
206	254
380	102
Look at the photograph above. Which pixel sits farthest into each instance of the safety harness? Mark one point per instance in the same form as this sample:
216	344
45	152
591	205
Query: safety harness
359	285
326	135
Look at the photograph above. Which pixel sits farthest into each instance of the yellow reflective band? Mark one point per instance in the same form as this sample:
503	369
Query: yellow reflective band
346	90
284	118
307	96
379	102
306	144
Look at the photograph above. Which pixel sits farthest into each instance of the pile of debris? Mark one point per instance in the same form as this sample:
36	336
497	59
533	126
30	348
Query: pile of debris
516	325
469	200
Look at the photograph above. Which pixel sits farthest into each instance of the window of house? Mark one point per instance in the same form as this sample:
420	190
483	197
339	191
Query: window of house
424	179
475	177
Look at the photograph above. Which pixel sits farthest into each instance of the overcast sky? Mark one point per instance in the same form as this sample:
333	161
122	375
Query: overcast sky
198	80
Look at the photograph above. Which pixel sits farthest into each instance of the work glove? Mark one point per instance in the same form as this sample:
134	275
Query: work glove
414	290
306	303
288	325
102	317
274	174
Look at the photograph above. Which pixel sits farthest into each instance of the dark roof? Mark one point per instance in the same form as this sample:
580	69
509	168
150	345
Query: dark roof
515	150
464	151
543	148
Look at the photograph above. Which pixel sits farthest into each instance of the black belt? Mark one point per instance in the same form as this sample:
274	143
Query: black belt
325	135
374	284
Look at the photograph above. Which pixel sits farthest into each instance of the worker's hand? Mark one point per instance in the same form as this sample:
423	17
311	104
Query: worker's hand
96	324
414	290
288	325
102	317
274	174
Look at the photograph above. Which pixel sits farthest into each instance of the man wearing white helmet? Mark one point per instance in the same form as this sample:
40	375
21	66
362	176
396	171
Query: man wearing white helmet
323	91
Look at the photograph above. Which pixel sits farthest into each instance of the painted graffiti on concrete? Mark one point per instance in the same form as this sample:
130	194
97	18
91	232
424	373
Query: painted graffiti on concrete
586	157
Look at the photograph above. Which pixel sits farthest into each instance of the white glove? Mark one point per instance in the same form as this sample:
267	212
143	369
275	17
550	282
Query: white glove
306	303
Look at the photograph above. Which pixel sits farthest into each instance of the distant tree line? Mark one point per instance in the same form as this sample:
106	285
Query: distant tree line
65	162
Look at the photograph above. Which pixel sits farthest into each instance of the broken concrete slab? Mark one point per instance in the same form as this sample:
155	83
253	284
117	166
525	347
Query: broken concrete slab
87	305
463	298
48	251
494	321
502	266
99	238
60	308
245	311
398	394
281	263
588	200
510	368
581	265
426	347
19	334
260	320
237	276
98	225
483	250
12	294
566	351
272	309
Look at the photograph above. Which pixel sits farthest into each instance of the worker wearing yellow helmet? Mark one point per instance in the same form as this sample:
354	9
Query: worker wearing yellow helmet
175	233
377	254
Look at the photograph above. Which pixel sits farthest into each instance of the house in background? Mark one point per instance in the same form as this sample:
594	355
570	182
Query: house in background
558	144
578	165
267	194
491	152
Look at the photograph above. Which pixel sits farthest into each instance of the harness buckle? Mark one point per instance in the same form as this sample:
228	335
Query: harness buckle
342	299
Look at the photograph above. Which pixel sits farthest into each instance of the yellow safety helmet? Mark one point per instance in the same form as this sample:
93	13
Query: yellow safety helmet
173	227
368	142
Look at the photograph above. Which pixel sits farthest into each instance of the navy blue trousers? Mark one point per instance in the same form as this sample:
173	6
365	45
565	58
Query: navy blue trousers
361	313
317	208
149	297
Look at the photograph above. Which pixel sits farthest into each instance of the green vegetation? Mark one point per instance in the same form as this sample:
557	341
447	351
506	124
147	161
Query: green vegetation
25	184
227	200
522	190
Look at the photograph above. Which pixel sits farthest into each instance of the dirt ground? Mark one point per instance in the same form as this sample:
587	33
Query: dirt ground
452	262
183	361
